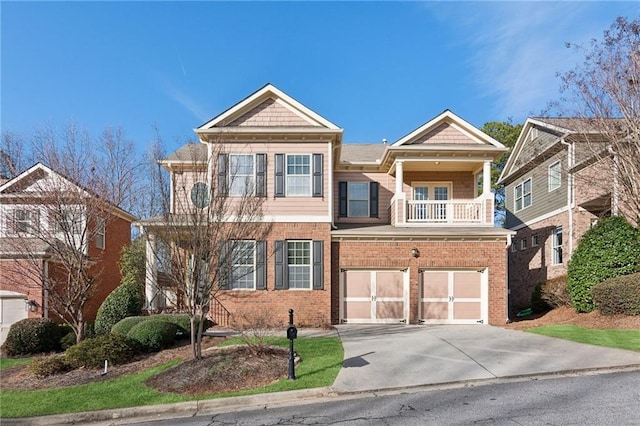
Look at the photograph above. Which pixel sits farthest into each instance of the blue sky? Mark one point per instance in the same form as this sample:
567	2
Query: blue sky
376	69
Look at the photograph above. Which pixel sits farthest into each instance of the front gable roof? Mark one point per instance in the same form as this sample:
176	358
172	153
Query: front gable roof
268	107
447	129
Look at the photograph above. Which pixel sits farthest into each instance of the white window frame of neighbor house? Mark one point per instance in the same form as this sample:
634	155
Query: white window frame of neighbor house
534	240
352	202
300	274
523	244
297	182
243	273
523	195
242	176
101	233
555	178
556	246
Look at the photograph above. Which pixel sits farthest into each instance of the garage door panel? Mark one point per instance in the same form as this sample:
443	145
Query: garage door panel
436	285
359	284
467	310
390	284
435	310
389	310
357	310
467	284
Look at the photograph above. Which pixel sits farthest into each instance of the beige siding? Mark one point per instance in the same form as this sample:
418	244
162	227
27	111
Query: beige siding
445	134
269	113
462	182
532	148
386	191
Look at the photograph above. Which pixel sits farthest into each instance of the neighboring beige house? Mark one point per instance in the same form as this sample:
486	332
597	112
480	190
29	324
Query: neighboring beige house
361	233
555	190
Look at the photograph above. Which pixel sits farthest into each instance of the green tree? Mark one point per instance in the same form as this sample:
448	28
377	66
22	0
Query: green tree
507	134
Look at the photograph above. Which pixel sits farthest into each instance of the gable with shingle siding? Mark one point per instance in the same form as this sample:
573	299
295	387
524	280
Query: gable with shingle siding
270	113
444	134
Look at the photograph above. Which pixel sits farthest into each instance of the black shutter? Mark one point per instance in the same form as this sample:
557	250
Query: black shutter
279	181
373	199
318	270
261	175
342	199
280	256
261	267
223	174
224	278
317	175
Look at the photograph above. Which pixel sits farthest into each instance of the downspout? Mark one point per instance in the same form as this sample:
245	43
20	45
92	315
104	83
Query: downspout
506	277
330	189
570	178
45	296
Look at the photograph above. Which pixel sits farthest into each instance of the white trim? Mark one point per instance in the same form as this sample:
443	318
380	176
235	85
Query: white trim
368	199
539	218
515	197
559	163
286	175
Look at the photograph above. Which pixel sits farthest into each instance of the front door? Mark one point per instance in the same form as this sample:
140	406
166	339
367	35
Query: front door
374	296
428	191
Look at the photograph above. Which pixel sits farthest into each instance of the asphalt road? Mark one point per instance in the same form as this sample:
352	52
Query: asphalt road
581	399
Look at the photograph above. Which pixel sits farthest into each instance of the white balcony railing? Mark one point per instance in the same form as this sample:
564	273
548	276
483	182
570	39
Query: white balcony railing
449	211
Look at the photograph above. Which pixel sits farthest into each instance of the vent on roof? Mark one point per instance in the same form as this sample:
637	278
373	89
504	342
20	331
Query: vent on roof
384	141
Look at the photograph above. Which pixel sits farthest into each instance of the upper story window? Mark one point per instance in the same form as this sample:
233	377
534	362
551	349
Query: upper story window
101	230
556	245
25	221
523	244
299	175
242	174
522	194
358	199
67	221
534	240
554	176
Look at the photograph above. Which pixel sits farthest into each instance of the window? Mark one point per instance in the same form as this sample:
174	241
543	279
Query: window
241	174
67	221
556	240
243	275
513	247
533	133
298	181
299	264
554	176
358	199
200	195
25	221
523	195
534	240
100	233
523	244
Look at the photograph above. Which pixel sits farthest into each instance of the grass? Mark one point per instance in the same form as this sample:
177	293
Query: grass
620	339
321	362
12	362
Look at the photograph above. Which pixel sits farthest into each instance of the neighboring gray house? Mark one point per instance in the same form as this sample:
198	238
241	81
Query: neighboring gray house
554	191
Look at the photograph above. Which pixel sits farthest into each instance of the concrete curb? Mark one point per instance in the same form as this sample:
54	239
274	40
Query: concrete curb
121	416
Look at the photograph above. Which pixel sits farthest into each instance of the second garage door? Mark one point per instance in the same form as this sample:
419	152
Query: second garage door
453	297
374	296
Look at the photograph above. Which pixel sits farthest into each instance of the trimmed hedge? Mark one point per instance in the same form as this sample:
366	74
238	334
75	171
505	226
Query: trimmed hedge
49	366
125	325
620	295
609	249
33	336
153	334
91	353
125	301
182	321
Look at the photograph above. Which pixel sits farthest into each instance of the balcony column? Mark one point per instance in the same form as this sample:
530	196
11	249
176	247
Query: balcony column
399	179
399	199
486	178
151	276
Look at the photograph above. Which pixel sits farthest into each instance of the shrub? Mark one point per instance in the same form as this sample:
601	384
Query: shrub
537	303
48	366
554	292
32	336
125	325
68	340
620	295
92	353
125	301
153	335
608	250
182	321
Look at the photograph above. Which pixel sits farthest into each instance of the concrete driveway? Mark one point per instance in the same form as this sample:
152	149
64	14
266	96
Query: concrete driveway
391	356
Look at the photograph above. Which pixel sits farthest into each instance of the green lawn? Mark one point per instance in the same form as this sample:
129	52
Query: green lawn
621	339
11	362
321	361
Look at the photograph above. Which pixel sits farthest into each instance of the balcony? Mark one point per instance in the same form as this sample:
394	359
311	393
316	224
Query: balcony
467	212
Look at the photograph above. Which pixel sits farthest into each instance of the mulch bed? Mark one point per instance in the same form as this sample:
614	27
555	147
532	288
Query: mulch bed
568	315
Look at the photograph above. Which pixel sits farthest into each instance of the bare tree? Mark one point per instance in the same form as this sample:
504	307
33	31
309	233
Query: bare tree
212	230
13	155
603	93
61	213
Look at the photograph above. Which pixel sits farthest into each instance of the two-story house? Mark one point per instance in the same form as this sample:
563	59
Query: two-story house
361	233
558	181
40	208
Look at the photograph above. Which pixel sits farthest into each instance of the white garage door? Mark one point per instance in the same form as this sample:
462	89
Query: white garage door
453	297
370	297
12	310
